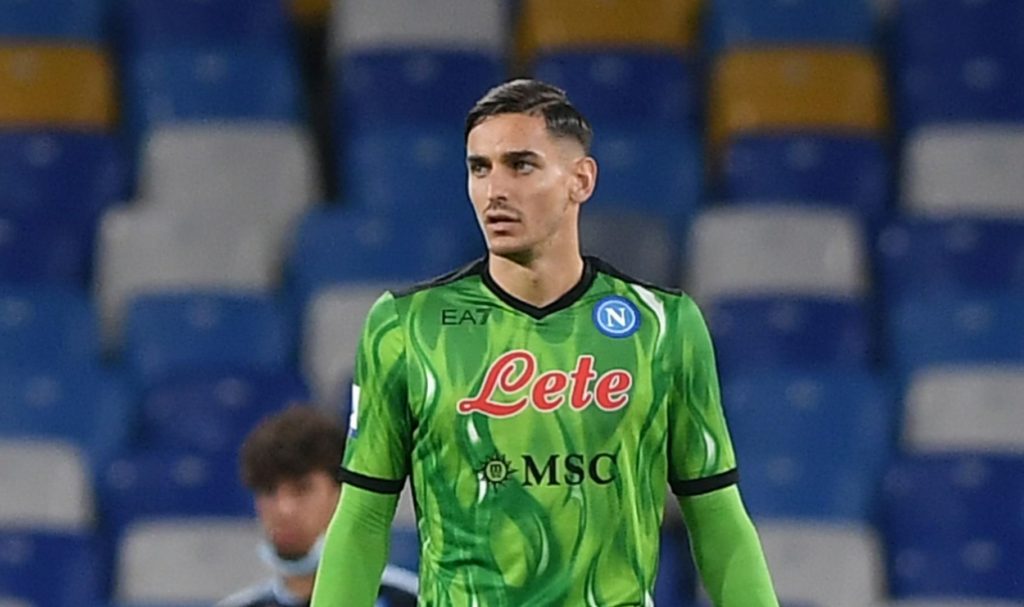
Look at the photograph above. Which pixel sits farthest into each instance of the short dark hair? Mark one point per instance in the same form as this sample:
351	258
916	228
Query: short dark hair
528	96
289	445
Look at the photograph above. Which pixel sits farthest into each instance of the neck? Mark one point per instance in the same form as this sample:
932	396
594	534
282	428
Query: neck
539	281
300	586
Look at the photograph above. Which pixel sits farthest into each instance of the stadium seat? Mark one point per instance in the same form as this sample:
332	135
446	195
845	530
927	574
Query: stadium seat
970	170
65	20
949	529
91	409
843	560
965	408
958	28
378	89
648	171
850	172
151	483
59	173
546	25
223	85
44	325
40	251
676	579
163	24
147	250
745	23
368	25
922	257
48	486
654	250
782	89
779	331
9	601
405	547
50	569
341	246
951	329
776	250
170	332
965	89
211	411
188	560
63	86
625	88
954	602
310	13
832	436
433	162
333	325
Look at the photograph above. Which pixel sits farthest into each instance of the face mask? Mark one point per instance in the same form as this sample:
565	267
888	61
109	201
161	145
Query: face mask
304	565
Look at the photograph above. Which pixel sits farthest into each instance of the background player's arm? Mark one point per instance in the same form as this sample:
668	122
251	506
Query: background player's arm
702	472
374	468
355	549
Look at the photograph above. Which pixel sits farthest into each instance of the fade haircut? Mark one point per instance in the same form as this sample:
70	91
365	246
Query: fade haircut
535	98
289	445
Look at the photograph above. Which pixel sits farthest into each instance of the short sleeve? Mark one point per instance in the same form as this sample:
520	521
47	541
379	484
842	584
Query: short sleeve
701	457
379	436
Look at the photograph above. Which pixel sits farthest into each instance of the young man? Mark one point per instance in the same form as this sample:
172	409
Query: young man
541	402
290	463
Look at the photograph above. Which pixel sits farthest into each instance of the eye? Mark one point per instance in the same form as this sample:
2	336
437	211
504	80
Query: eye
523	166
478	170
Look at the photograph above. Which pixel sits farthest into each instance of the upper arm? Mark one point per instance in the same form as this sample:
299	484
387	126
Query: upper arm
379	442
701	457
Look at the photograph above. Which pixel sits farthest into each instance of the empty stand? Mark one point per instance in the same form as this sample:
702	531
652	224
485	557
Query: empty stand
54	486
44	325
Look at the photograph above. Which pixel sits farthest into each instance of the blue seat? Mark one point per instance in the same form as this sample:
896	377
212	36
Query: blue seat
59	20
958	28
433	162
648	170
405	547
939	90
181	84
939	329
152	483
952	527
335	246
624	88
382	88
42	325
734	23
37	250
790	331
169	332
153	24
920	257
811	444
50	174
50	569
92	409
677	578
212	411
846	171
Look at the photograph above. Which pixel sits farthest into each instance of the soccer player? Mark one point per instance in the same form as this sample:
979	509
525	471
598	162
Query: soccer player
541	402
290	461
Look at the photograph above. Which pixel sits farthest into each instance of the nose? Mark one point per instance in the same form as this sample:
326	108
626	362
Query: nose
497	187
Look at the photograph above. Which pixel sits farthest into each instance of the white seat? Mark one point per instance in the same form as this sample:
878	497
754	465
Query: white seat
192	560
7	602
261	173
769	249
146	250
823	564
965	169
53	486
642	246
969	408
333	325
476	25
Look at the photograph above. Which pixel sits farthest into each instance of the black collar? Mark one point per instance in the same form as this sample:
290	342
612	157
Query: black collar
567	299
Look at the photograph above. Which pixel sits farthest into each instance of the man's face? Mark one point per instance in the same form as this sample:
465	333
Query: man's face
525	185
296	511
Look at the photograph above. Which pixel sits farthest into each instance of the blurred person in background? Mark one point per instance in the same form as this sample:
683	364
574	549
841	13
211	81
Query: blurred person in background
290	462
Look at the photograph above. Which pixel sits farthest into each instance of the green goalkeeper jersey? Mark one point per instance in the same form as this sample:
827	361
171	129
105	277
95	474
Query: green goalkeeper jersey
540	441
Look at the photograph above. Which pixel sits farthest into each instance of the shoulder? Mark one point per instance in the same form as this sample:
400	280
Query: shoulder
254	596
606	269
473	269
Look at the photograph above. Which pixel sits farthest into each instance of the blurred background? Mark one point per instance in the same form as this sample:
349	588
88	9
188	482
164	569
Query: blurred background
199	200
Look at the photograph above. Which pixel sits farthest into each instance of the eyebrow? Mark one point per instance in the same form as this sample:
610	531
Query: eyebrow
508	158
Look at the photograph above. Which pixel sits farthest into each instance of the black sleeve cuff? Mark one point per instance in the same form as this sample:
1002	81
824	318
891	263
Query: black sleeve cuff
370	483
707	484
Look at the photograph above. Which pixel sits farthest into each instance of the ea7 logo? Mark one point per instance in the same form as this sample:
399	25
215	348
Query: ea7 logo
513	377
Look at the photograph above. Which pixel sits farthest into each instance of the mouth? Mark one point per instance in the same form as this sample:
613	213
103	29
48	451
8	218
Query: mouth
500	219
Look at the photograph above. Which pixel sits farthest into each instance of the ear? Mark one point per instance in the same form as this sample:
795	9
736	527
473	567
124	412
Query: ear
584	179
